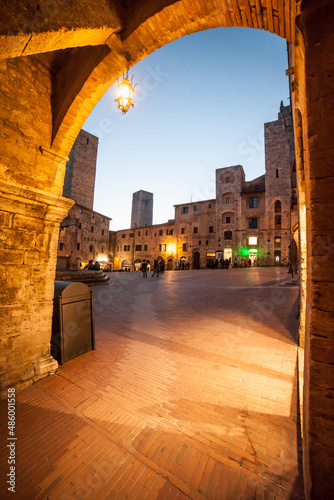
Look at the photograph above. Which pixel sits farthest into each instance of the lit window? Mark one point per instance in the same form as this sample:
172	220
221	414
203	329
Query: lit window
277	241
163	249
252	240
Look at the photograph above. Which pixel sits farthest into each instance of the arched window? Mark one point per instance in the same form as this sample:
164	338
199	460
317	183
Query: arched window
278	207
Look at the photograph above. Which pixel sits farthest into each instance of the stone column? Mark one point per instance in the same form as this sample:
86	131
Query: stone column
316	99
30	220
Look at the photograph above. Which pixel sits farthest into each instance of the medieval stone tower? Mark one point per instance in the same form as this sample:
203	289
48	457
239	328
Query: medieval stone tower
142	209
279	157
80	170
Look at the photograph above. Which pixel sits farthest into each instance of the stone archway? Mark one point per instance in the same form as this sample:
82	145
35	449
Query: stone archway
44	102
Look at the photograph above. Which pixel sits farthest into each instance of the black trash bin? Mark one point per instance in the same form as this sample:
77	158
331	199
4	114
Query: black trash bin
73	321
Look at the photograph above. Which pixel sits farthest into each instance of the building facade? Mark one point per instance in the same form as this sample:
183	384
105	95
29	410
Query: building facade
248	223
84	233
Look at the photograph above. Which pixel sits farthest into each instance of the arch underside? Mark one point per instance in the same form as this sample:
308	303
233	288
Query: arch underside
87	50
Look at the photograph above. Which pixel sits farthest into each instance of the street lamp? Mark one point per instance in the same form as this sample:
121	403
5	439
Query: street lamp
125	91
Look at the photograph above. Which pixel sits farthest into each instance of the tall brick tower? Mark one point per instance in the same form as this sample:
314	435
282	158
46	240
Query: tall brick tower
142	209
80	170
279	156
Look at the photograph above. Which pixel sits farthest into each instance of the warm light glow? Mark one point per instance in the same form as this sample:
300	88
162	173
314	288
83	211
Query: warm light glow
125	91
253	240
102	258
171	248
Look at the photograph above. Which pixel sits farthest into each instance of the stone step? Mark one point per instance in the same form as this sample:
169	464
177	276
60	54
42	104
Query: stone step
90	278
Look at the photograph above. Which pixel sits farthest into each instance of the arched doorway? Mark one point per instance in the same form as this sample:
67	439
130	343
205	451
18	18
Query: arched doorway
277	257
196	260
59	101
184	263
137	265
126	265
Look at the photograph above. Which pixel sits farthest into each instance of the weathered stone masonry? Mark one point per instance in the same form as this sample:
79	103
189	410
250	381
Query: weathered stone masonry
57	62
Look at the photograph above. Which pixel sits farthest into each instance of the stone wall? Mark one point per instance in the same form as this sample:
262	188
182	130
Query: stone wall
31	179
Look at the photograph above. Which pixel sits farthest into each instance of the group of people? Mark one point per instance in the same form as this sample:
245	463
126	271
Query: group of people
158	267
91	266
226	263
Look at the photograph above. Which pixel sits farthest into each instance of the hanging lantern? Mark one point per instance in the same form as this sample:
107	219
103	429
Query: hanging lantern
125	91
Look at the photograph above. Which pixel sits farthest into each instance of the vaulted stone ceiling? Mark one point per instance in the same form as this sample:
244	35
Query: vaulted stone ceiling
37	26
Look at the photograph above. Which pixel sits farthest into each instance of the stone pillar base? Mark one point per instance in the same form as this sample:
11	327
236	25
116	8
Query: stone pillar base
27	374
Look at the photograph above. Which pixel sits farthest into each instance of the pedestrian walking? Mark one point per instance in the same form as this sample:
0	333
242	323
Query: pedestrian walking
155	269
144	268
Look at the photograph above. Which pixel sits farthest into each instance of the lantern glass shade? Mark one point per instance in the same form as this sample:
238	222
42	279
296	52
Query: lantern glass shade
125	91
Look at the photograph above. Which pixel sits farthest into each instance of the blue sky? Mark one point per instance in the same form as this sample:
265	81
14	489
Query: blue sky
200	104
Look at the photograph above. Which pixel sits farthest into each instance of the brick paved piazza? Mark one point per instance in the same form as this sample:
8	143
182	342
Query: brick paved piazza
190	393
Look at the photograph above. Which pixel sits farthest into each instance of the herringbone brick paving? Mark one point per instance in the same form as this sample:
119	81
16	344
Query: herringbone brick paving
190	393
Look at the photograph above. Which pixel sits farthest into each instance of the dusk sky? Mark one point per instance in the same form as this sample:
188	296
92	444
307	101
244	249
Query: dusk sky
200	104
